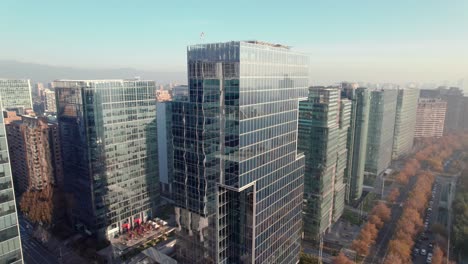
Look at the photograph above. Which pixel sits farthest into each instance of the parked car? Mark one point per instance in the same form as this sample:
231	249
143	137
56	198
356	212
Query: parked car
423	252
429	258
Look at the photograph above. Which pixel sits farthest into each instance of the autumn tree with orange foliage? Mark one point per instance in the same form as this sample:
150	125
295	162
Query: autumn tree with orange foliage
379	214
409	170
393	259
410	222
401	249
431	154
438	256
342	259
38	205
393	195
382	211
361	247
374	219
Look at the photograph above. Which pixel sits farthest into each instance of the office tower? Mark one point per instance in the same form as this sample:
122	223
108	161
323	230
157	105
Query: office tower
430	118
454	98
50	104
165	152
238	178
110	154
357	139
323	128
342	159
405	122
38	89
180	93
10	116
10	243
35	155
163	95
16	93
430	93
464	115
380	131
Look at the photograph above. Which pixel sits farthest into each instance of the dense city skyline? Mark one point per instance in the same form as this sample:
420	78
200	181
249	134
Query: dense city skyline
233	132
421	41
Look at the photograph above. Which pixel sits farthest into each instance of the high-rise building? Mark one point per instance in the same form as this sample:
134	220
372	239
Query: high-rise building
110	154
38	89
342	159
10	242
180	93
357	138
35	153
165	152
455	100
464	115
50	104
16	93
238	178
381	128
430	118
163	95
323	130
405	122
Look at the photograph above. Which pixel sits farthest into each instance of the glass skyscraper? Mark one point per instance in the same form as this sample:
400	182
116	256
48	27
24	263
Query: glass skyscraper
10	243
357	139
381	128
323	129
16	93
110	155
238	178
165	154
405	121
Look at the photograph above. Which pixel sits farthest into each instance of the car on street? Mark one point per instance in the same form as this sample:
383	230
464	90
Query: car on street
423	252
416	251
429	258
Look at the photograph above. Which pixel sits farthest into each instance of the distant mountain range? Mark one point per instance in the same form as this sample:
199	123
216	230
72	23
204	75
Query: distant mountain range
45	73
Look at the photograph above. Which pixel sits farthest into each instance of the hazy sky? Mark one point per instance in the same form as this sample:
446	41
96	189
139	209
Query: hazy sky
375	40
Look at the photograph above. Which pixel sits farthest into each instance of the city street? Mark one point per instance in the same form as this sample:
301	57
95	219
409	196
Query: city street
441	183
33	251
427	237
379	249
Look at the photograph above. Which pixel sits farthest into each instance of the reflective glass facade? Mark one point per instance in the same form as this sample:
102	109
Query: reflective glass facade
10	243
238	178
380	131
357	139
110	155
323	128
405	121
164	122
16	93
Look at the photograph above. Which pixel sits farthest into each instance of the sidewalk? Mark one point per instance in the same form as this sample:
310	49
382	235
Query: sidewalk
68	255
